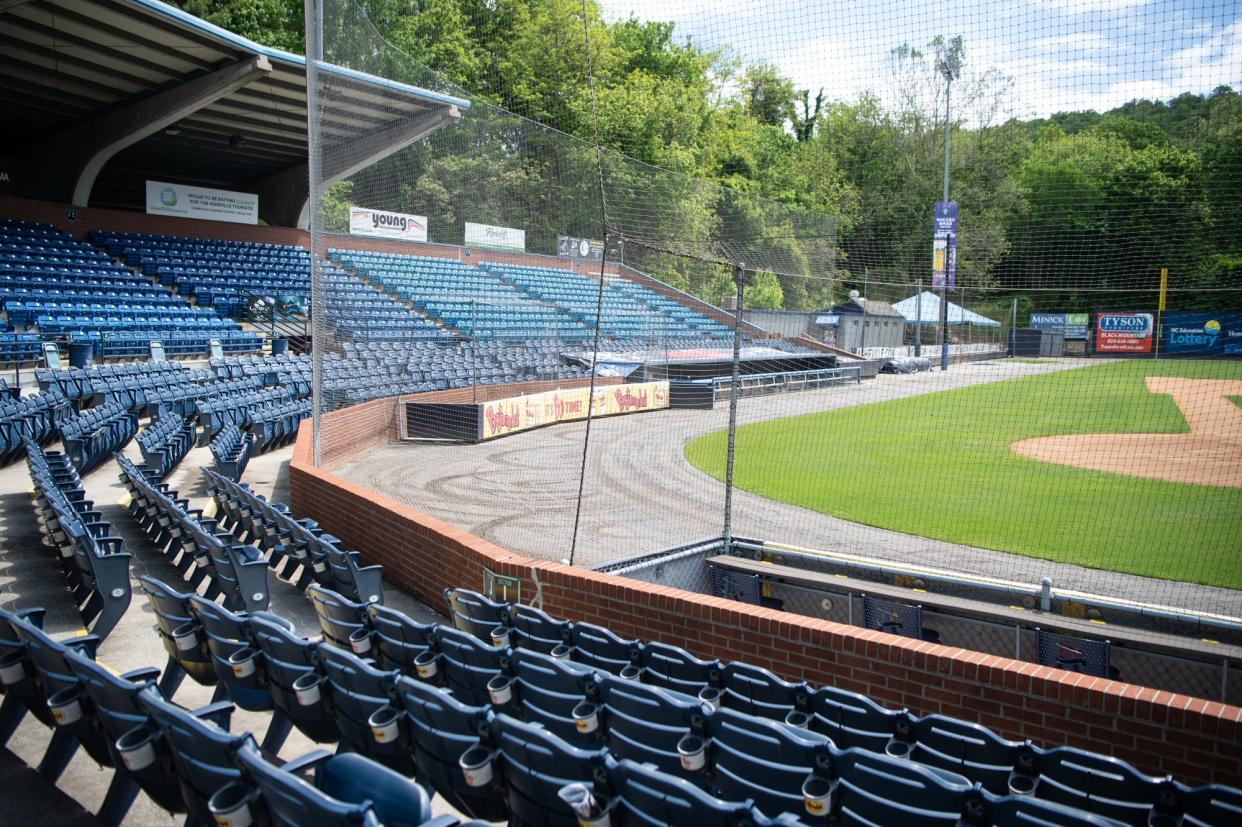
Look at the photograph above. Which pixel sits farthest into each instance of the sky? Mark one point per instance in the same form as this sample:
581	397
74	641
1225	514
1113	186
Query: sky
1062	55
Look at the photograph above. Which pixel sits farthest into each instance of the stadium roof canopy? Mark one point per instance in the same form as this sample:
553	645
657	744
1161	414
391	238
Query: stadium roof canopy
101	95
930	311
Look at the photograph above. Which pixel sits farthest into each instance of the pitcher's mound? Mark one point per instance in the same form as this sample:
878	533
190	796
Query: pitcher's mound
1211	454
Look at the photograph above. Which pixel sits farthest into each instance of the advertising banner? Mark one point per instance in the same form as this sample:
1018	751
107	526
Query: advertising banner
200	202
510	416
1073	325
944	245
1201	334
495	238
380	224
567	246
1124	332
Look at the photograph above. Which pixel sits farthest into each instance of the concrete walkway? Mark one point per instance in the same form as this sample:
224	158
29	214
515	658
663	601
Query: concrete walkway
30	576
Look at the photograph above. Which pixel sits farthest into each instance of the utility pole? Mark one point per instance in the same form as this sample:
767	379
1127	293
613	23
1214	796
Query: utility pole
949	64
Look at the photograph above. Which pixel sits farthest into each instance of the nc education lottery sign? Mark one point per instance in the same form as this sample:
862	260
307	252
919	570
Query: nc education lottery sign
380	224
200	202
509	416
495	238
1201	334
1117	332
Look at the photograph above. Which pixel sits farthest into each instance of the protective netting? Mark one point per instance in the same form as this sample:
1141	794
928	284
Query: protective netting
582	185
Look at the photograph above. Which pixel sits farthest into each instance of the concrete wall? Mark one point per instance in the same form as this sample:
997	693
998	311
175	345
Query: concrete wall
787	323
1159	732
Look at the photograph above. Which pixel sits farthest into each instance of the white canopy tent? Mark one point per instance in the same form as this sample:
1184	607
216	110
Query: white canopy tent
925	307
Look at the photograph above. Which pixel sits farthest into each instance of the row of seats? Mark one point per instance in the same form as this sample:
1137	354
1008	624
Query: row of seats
186	761
20	347
234	407
164	443
437	701
196	342
36	417
298	550
204	557
230	452
95	567
275	424
92	436
78	384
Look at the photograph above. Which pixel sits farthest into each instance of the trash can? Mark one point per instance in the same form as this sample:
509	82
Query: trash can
80	354
280	347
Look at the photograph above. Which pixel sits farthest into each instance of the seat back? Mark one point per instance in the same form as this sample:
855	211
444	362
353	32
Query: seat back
201	751
439	729
175	622
293	678
344	622
871	789
752	758
468	664
602	649
672	667
757	691
646	723
1097	783
399	639
894	618
651	797
346	791
850	719
534	629
358	691
1090	657
547	691
970	750
474	614
535	765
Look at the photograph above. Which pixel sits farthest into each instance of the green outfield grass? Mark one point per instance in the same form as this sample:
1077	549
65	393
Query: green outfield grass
939	465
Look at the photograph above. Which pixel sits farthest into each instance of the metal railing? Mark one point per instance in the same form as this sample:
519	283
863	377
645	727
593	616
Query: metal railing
759	384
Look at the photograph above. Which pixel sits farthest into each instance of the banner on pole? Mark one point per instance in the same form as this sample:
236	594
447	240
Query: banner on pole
944	246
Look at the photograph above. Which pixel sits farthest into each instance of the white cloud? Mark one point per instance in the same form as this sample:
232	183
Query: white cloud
1080	7
1092	42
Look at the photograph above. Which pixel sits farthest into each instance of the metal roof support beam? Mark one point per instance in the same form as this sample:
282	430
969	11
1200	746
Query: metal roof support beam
64	167
5	5
284	198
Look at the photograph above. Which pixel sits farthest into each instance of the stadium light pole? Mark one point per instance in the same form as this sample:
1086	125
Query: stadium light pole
740	279
949	65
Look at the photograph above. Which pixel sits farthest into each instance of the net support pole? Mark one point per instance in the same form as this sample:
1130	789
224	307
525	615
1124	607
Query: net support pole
944	285
314	164
918	318
1013	328
739	279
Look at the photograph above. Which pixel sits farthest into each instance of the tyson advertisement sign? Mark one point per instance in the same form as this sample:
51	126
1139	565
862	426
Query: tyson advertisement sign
522	413
380	224
1123	332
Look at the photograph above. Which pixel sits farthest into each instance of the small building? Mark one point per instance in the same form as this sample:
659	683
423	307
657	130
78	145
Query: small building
859	323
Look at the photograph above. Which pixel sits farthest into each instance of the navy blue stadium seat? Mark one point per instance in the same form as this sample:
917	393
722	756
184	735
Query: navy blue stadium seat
547	691
647	723
672	667
601	649
475	614
1090	657
290	664
756	691
341	791
399	640
440	729
897	619
358	691
535	629
467	665
850	719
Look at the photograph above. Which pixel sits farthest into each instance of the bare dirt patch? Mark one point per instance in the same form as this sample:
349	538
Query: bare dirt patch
1211	454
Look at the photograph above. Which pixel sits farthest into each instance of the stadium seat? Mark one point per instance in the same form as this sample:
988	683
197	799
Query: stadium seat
534	629
755	691
601	649
439	730
474	614
534	765
466	664
867	788
850	719
1091	657
358	691
399	640
896	619
341	791
647	723
290	664
547	691
1094	783
182	636
672	667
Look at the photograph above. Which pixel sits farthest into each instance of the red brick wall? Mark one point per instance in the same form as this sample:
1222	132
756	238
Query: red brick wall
1197	741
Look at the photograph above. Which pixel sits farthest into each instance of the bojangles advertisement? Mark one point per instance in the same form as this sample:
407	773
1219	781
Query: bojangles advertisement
509	416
